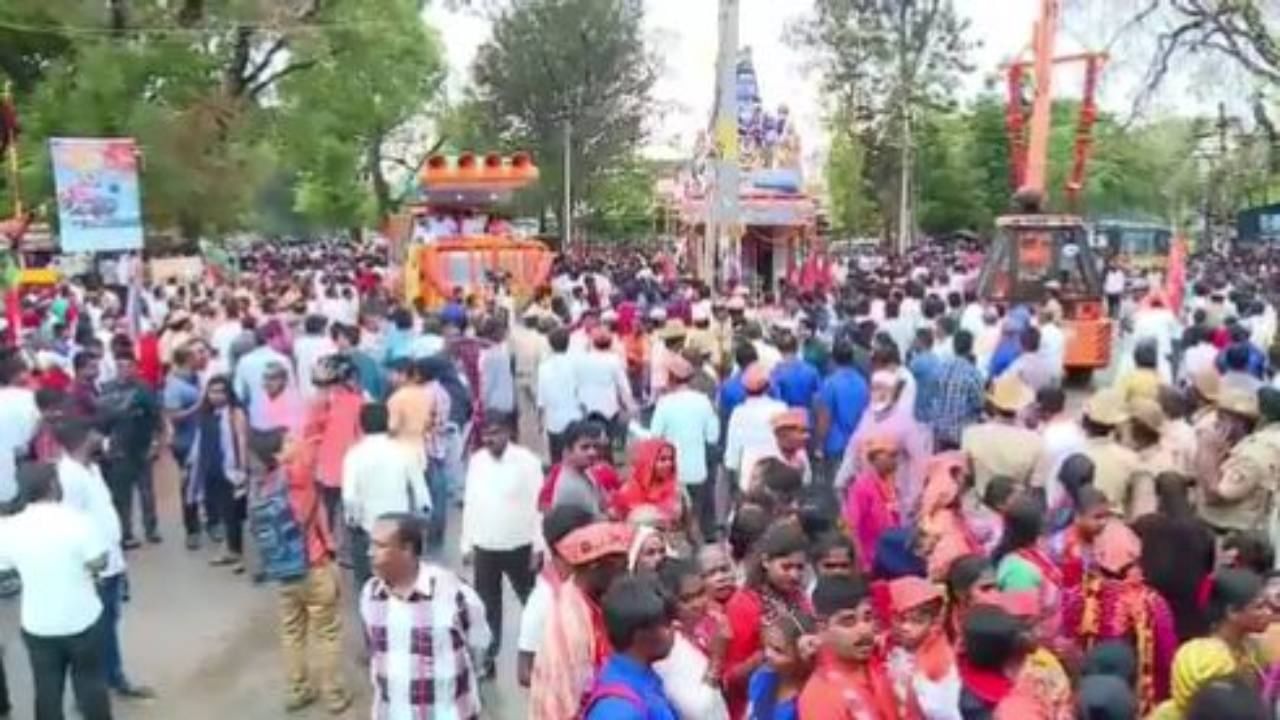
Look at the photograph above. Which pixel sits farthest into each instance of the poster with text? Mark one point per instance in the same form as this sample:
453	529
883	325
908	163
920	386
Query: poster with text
97	183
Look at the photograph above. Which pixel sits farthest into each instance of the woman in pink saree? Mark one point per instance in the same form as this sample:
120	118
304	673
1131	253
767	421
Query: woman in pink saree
890	415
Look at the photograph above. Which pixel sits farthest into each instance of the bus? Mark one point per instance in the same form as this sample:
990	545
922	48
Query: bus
1134	246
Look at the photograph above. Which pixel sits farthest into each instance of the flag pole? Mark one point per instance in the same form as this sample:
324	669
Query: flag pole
11	145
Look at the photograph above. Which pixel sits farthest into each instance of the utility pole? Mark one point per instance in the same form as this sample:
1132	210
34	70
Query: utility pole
906	222
723	224
566	232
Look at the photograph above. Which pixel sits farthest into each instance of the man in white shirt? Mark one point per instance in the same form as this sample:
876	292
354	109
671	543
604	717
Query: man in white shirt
379	475
501	526
557	392
1113	284
251	372
19	421
308	350
602	383
1061	438
1200	356
424	629
685	418
57	551
751	424
84	489
226	332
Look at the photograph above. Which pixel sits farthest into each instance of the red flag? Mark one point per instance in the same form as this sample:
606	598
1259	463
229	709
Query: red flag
1175	279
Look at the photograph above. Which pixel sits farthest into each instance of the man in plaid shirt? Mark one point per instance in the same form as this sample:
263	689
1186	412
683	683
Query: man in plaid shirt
953	400
424	627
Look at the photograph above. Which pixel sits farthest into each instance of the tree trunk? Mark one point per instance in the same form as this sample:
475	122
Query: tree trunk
381	188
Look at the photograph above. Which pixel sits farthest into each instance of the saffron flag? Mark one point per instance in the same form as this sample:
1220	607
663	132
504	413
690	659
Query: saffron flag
1175	279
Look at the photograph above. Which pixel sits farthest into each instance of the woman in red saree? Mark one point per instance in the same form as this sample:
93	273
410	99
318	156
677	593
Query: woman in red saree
1072	548
652	481
774	587
1114	603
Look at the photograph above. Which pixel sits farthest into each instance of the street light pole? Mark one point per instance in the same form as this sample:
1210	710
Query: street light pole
566	220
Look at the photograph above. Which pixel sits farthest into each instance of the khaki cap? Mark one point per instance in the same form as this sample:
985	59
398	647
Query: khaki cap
1107	407
1147	413
1010	394
1238	402
672	330
1208	383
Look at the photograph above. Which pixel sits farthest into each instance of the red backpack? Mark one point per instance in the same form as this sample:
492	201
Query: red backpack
607	691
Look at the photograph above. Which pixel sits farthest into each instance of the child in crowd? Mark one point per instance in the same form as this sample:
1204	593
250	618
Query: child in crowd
774	689
921	662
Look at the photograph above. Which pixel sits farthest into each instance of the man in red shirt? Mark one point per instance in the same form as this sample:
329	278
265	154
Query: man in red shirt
850	681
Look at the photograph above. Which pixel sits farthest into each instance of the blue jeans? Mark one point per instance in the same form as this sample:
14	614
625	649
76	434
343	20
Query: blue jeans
110	590
438	485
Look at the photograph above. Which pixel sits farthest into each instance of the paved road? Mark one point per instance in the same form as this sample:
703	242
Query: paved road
206	640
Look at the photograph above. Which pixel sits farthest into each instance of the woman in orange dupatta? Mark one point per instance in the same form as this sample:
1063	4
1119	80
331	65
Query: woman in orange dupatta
945	535
1114	603
574	644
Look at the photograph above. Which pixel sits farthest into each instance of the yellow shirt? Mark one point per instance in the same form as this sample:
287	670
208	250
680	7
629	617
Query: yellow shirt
1139	383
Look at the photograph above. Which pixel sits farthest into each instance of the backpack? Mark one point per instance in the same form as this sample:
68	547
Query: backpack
607	691
280	538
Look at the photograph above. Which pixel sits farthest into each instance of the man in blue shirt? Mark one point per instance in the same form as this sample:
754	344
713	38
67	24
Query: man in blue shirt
923	366
841	402
732	392
795	381
637	618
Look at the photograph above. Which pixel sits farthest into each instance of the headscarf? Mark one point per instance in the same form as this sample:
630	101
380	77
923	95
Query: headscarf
642	534
645	487
1196	663
1117	548
940	520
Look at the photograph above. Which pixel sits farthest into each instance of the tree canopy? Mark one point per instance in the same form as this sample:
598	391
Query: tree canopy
580	63
233	102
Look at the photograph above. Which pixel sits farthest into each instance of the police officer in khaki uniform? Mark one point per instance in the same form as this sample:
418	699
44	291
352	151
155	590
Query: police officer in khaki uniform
1210	450
1116	468
1147	420
1002	445
701	338
722	329
1241	495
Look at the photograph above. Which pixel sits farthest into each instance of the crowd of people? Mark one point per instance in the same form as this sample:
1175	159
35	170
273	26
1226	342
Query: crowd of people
874	501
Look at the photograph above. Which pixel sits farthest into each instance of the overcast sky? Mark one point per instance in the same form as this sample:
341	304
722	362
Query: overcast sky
684	33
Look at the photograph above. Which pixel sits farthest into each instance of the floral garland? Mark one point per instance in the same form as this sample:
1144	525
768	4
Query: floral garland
1131	613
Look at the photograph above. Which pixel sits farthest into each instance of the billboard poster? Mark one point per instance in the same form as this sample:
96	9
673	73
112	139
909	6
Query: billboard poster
97	184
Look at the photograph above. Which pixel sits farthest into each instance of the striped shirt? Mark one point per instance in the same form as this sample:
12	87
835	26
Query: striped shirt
423	647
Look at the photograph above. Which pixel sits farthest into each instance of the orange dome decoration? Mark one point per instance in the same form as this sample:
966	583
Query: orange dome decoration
466	171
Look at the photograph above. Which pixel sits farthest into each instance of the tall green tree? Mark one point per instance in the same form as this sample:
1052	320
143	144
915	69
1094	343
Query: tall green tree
225	97
885	65
579	68
854	211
